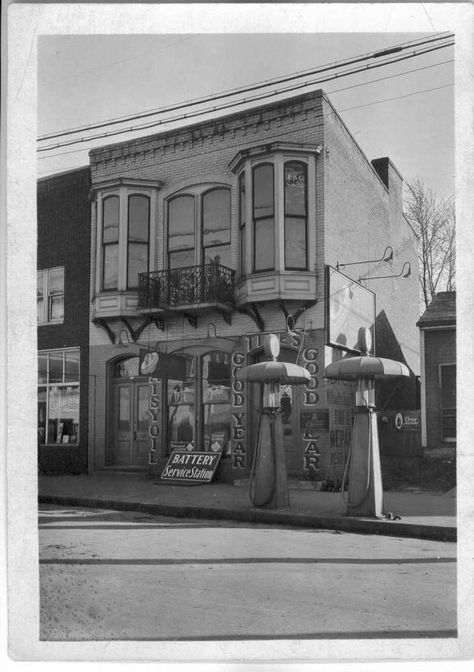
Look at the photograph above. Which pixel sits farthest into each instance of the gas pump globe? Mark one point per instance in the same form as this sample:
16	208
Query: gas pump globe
268	479
365	492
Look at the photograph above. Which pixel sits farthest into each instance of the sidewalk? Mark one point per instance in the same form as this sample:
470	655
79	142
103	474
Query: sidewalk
423	515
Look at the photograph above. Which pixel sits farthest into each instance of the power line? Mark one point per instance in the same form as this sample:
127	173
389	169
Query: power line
243	101
387	100
376	102
256	86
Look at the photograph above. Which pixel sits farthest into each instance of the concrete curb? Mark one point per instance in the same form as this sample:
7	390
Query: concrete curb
280	517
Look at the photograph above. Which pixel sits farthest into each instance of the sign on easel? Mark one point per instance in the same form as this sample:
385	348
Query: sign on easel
191	467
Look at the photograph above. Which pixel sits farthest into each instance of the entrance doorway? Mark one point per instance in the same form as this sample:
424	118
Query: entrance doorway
129	440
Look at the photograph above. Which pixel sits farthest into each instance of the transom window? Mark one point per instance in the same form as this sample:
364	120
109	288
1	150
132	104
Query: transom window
199	227
50	295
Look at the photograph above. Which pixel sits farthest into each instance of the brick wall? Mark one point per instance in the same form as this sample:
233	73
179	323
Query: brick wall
440	348
64	240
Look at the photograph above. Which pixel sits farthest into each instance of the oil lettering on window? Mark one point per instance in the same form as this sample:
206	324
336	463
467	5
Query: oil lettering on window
153	425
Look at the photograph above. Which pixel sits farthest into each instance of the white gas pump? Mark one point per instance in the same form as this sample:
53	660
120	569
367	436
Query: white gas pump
365	490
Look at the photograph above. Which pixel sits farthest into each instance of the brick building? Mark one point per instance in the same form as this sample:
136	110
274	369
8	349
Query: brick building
438	374
63	302
205	238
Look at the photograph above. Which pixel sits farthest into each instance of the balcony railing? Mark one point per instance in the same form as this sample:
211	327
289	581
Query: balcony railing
210	284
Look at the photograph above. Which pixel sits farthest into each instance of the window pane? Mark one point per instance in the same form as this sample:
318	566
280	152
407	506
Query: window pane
142	408
218	255
137	262
216	217
40	310
242	199
110	267
39	284
295	243
264	244
138	218
63	413
41	415
216	377
56	367
181	259
72	366
56	281
42	368
181	223
124	408
295	189
263	191
56	307
242	205
110	220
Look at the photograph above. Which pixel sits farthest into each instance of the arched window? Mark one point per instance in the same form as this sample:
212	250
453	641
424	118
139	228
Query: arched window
216	227
263	218
199	227
296	216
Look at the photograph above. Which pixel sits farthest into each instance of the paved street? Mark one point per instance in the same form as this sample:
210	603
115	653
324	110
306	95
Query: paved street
118	575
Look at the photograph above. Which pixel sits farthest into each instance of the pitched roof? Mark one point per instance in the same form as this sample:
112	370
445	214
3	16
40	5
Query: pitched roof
441	312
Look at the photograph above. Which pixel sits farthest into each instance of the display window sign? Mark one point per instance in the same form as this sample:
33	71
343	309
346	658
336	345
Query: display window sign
186	446
161	365
190	467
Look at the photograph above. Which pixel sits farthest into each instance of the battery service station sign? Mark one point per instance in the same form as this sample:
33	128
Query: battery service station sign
193	467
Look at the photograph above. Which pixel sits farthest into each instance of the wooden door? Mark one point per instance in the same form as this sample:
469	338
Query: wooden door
130	440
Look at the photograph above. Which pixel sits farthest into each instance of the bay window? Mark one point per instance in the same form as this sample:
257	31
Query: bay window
277	210
125	216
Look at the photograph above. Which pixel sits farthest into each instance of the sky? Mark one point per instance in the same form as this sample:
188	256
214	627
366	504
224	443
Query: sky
407	115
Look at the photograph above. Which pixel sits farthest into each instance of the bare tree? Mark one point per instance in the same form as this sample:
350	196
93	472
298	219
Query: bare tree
434	222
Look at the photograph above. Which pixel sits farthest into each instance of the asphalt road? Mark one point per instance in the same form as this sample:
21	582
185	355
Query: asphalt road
107	575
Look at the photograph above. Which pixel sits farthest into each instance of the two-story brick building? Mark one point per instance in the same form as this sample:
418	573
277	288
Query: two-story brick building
207	237
63	303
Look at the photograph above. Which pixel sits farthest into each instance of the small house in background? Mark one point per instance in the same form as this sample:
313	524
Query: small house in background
438	375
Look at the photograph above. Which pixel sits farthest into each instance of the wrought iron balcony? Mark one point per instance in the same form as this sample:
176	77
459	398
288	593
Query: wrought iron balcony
190	289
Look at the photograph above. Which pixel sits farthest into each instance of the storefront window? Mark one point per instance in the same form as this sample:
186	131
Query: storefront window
58	397
216	401
181	406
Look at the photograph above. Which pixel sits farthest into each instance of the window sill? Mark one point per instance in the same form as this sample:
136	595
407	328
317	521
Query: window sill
275	286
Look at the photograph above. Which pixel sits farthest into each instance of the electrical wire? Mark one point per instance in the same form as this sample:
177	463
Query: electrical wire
239	91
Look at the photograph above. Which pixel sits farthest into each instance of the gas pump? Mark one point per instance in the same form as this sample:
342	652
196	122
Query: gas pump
365	491
268	477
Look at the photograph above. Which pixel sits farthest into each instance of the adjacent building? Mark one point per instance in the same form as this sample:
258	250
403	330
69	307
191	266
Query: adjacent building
63	302
438	375
204	239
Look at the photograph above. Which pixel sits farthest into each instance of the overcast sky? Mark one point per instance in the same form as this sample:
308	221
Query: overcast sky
83	79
